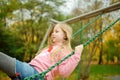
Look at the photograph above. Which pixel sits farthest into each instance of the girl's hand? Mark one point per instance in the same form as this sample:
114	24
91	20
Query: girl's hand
79	48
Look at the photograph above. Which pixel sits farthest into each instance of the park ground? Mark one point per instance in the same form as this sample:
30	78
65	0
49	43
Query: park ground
97	72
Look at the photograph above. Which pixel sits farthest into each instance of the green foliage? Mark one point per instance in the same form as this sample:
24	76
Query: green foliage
11	44
111	50
24	36
111	45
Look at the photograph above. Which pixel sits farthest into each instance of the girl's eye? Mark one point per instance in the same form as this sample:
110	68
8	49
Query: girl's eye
56	31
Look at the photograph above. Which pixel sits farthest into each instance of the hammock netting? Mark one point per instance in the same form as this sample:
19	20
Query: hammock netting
42	75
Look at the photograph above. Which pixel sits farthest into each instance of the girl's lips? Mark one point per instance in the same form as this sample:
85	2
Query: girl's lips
53	37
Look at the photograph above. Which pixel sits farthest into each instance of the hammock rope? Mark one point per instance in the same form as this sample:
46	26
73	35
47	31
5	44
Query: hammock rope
85	26
85	44
80	31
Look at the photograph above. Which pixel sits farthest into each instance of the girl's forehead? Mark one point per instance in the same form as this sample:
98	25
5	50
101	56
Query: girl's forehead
57	27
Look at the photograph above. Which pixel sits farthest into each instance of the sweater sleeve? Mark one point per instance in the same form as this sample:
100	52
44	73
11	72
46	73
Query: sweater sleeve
68	66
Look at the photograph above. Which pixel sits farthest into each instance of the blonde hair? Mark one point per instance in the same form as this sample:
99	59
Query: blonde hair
67	43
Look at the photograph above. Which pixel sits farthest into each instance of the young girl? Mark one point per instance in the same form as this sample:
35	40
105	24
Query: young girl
58	47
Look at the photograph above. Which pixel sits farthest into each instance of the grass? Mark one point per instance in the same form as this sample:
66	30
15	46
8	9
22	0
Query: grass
100	72
97	72
105	70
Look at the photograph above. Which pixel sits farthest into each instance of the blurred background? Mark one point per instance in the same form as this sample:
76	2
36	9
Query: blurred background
23	25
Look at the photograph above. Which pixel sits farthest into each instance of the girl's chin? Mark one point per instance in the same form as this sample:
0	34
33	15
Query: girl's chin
53	41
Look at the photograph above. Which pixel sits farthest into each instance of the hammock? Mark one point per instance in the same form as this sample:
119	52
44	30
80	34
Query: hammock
41	75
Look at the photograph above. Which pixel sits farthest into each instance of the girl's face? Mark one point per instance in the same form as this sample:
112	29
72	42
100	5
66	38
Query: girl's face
57	35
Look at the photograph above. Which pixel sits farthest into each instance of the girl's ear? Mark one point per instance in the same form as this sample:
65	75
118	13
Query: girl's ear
65	38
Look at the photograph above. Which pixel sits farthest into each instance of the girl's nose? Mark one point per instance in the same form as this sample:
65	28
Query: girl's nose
53	33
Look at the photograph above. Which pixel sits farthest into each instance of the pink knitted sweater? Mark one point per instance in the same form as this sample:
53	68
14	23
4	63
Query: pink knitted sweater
43	61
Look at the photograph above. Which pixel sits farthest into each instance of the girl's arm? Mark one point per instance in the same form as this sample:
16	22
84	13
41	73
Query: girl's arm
68	66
